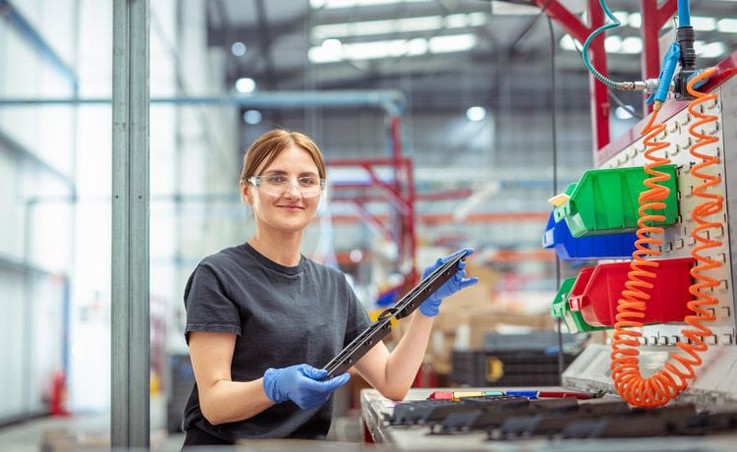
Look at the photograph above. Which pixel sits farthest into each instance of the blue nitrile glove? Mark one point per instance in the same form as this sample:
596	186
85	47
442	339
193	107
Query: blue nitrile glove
431	306
300	384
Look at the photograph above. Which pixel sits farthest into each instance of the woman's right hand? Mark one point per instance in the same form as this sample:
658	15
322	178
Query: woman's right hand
301	384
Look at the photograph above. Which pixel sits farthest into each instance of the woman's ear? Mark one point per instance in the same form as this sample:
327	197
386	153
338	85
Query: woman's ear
245	193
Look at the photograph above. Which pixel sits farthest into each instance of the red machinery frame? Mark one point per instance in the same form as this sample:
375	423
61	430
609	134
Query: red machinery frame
399	192
654	16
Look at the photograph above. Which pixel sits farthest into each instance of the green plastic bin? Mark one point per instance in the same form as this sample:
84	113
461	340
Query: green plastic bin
605	201
573	320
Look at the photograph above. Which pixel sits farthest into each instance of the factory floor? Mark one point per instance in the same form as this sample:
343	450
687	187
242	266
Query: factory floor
91	432
81	431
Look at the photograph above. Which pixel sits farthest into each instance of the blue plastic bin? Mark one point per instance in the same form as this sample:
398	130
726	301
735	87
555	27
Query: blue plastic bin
568	247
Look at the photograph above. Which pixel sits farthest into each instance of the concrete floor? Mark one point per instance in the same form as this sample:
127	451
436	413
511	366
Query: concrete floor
92	432
82	432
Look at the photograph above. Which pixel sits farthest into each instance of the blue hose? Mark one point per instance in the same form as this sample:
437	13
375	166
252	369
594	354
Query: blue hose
684	14
666	74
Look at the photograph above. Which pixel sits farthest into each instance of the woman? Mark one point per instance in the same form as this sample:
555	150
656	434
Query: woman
260	315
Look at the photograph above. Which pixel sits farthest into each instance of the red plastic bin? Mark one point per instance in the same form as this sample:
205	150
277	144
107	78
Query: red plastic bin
597	290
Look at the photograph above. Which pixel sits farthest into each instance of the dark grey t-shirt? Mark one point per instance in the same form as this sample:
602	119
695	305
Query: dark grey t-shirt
282	316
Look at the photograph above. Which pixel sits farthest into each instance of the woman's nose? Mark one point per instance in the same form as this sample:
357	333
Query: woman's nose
292	191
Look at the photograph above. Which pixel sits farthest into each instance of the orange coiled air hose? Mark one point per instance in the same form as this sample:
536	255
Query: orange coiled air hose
667	383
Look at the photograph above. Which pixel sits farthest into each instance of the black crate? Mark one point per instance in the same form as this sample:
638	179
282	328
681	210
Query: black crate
506	368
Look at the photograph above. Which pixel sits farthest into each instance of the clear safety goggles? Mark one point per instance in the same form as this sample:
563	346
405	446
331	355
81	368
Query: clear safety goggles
278	184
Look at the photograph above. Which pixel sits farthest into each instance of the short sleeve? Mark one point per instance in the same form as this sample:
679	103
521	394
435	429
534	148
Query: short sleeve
358	320
208	307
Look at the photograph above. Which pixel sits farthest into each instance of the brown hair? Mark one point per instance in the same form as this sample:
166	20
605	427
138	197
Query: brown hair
268	146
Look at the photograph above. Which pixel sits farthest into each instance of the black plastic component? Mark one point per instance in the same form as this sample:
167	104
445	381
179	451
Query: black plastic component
488	417
511	418
554	421
705	423
410	413
437	414
404	307
428	412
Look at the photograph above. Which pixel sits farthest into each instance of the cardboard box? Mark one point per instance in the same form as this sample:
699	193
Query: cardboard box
467	329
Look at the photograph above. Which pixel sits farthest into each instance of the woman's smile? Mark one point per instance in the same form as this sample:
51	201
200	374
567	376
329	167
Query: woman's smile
291	208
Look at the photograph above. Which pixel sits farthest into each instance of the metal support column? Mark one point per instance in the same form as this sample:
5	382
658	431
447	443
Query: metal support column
130	225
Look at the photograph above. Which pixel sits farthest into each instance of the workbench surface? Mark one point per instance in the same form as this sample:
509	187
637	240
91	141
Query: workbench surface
374	407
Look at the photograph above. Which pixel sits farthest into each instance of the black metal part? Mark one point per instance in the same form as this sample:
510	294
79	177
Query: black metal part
513	417
490	416
635	423
431	411
685	37
553	421
437	414
404	307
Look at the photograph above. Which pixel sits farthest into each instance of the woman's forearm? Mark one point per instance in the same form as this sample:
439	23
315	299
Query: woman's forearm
230	401
406	358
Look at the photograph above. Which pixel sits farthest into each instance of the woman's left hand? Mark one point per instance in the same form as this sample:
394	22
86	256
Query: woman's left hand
431	306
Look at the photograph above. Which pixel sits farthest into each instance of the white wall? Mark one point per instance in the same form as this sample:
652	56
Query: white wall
37	220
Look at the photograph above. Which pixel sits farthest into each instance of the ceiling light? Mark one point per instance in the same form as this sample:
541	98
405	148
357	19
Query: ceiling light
374	50
727	25
321	32
374	27
334	4
238	49
331	53
408	25
623	17
635	20
500	8
701	23
476	113
420	24
333	44
417	46
613	44
452	43
322	54
631	45
711	50
465	20
245	85
567	42
252	117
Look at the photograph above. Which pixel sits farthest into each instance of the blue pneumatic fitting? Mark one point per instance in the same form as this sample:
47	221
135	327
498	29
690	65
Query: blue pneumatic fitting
666	74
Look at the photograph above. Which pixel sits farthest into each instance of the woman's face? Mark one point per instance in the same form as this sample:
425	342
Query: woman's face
284	208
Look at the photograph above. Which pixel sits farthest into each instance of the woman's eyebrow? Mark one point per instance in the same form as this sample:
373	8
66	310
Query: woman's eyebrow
282	172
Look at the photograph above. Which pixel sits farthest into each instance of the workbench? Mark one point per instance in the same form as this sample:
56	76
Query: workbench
374	408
